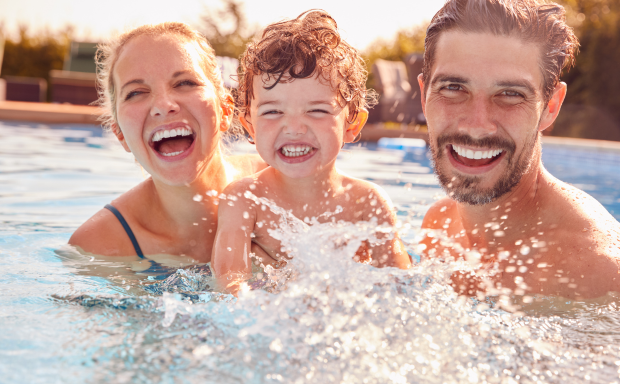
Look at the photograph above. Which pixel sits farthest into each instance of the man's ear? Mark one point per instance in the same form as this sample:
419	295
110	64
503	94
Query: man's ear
553	107
228	111
119	135
354	128
247	125
422	94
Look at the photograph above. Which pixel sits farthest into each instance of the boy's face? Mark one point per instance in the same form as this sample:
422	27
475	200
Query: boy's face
299	126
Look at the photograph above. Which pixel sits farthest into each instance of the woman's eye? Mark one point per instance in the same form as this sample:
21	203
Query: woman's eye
186	82
132	94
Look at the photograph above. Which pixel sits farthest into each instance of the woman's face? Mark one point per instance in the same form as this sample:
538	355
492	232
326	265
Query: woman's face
167	109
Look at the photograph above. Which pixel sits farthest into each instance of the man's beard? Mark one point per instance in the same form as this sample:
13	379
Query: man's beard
466	189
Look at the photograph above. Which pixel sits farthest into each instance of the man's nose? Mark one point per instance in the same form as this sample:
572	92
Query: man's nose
477	120
163	104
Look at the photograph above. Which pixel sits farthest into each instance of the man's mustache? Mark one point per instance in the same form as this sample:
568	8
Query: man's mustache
494	142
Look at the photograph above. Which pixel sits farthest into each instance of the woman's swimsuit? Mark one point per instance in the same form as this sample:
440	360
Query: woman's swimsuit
157	269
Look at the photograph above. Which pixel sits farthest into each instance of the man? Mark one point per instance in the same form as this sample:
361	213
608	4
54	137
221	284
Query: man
490	86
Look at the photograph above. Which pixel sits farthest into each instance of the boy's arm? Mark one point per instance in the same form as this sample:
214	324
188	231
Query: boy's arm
231	262
392	252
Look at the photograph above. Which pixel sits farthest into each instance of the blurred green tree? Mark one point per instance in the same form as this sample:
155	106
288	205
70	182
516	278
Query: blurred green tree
35	54
227	29
592	106
406	41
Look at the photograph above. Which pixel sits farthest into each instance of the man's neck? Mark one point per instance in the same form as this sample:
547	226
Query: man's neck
505	218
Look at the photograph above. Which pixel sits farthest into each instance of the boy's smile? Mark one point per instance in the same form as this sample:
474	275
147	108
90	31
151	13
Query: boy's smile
298	126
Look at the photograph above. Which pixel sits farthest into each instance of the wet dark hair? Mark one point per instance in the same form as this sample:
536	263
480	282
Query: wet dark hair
533	21
300	48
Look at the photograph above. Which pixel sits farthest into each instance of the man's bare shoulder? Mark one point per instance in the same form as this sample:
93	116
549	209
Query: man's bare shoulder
584	222
439	211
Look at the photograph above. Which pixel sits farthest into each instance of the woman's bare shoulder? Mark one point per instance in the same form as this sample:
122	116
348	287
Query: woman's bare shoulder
103	234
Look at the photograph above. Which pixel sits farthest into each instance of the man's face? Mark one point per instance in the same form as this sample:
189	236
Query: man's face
483	105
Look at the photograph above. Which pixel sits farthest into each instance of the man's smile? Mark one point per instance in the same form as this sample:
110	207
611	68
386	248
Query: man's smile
474	157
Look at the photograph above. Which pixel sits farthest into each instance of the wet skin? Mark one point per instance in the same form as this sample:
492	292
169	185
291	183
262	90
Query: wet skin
160	86
304	113
546	237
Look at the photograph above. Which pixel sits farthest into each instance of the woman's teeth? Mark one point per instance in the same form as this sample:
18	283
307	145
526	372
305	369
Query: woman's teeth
172	153
470	154
295	150
171	133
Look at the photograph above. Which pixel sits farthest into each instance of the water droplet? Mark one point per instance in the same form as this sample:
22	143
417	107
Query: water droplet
197	197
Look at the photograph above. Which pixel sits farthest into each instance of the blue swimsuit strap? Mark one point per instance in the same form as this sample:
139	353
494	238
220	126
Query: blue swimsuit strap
155	268
127	229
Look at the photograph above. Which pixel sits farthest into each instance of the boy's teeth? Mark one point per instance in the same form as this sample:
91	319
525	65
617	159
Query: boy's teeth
295	150
171	133
470	154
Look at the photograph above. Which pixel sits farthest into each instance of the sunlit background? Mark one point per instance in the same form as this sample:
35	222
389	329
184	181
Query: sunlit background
38	34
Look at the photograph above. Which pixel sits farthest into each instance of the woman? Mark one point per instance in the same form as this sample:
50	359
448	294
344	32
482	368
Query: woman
163	97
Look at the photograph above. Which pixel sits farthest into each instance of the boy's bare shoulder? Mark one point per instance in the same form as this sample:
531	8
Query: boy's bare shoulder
247	164
359	189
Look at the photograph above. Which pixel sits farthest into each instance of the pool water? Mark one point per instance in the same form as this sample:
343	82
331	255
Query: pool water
67	318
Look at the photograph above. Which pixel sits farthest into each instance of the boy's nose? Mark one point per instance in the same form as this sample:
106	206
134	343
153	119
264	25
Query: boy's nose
478	121
163	105
294	127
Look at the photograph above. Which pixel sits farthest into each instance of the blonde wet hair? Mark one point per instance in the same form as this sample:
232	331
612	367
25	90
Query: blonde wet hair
108	53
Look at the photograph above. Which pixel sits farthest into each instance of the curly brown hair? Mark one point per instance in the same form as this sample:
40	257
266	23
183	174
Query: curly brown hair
303	47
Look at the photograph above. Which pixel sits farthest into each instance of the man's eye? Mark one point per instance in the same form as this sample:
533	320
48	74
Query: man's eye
512	94
453	87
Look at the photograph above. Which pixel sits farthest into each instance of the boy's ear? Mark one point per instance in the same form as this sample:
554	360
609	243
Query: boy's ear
228	111
119	135
354	128
247	125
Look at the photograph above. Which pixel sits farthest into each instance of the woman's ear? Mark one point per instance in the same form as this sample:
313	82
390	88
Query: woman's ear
247	125
228	111
354	128
119	135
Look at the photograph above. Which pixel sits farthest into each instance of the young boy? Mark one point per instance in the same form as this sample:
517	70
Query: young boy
302	96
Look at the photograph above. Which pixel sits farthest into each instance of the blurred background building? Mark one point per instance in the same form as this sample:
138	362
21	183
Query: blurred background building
57	66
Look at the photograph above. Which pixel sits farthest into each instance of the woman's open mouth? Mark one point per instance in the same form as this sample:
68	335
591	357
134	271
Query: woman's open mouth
172	142
475	158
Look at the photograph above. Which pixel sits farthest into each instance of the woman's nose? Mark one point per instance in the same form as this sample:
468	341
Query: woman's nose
163	105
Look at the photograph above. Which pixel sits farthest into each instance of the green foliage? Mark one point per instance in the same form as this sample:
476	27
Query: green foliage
405	42
34	55
592	106
229	43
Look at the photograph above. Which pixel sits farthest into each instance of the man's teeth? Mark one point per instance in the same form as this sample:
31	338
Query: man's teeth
171	133
295	150
470	154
